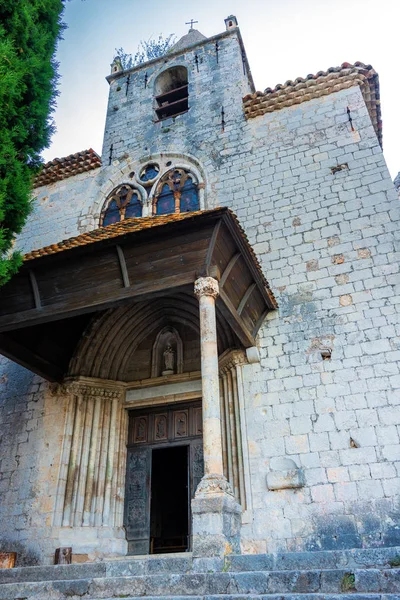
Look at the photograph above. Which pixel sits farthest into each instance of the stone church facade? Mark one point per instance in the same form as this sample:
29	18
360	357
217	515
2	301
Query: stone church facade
241	384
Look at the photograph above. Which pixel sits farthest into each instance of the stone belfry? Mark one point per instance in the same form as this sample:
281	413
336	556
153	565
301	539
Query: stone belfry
180	102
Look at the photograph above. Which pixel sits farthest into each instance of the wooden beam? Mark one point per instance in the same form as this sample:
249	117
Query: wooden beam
260	322
211	248
29	359
243	247
245	298
228	269
122	264
85	304
35	289
235	320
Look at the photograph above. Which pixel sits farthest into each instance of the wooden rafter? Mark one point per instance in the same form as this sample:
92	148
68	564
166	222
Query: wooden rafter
131	268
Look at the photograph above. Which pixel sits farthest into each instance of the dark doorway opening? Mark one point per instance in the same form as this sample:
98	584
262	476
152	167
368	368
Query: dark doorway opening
169	511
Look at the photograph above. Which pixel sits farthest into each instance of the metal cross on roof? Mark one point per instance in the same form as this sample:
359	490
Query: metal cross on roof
191	23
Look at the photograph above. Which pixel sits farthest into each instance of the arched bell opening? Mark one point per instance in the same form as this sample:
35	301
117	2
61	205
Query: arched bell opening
171	95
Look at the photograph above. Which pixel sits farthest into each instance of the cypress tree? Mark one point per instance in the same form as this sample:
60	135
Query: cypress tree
29	31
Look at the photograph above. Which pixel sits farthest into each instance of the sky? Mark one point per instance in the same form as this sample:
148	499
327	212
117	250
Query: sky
284	39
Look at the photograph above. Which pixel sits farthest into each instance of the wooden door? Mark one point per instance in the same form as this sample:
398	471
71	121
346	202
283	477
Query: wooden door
166	426
196	465
137	500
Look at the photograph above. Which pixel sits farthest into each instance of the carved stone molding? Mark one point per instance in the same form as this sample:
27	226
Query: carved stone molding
232	359
81	389
85	389
206	286
59	389
214	484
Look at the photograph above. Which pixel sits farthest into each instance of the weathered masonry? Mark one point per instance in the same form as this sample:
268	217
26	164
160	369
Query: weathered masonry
155	395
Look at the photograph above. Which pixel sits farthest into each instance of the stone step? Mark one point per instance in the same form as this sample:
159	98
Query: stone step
327	559
266	597
328	581
184	563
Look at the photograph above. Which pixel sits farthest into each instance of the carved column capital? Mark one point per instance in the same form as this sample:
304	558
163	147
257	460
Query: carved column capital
231	359
83	389
206	286
60	389
80	388
214	483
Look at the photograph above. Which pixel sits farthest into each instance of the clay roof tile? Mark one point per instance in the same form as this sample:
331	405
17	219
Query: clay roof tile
322	83
138	224
67	166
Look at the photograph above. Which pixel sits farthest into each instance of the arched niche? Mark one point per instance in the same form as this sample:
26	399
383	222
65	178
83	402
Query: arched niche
167	338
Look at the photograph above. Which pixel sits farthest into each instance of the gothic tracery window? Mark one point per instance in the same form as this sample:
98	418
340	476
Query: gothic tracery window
123	203
149	173
176	192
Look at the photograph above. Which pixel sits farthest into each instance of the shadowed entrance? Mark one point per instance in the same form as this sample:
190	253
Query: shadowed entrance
164	468
169	512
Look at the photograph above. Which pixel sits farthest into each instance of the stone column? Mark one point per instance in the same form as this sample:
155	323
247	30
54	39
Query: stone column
216	513
229	371
89	508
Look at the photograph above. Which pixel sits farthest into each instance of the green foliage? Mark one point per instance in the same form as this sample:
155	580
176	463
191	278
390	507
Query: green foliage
147	50
348	583
395	561
29	31
125	59
227	566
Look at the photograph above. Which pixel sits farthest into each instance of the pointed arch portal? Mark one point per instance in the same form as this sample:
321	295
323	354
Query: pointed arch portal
144	313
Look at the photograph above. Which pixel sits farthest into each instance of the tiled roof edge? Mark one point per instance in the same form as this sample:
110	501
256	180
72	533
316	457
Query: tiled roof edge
140	224
115	230
321	84
68	166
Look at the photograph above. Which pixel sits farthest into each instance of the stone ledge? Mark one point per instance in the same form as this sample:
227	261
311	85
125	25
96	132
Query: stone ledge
284	475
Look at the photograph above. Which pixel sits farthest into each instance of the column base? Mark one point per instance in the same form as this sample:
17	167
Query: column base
216	518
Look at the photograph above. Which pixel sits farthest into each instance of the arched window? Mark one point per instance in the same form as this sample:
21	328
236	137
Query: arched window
171	93
176	192
123	203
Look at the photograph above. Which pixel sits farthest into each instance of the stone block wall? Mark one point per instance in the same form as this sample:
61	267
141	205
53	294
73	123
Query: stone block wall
328	244
32	425
62	210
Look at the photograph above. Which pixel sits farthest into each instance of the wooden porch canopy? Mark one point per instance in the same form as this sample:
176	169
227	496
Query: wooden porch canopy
46	307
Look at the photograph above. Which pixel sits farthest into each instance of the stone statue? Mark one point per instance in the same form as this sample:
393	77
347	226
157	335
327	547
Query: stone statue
169	360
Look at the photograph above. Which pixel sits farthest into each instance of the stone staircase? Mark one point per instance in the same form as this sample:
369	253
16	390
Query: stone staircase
368	574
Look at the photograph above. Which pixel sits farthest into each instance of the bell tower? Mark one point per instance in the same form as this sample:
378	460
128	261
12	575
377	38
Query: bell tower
182	102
